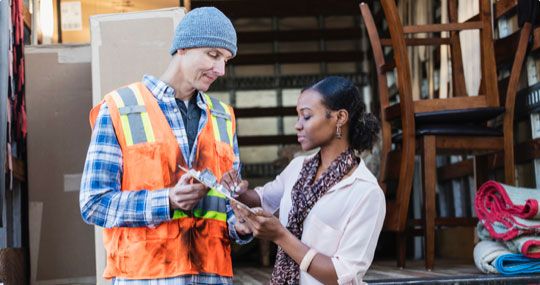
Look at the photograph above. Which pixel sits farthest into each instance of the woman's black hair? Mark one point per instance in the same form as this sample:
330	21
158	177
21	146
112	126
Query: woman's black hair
340	93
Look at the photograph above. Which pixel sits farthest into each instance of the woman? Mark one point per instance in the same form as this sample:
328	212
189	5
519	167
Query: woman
331	208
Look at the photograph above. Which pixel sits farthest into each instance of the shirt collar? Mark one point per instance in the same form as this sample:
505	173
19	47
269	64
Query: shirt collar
163	91
361	173
160	90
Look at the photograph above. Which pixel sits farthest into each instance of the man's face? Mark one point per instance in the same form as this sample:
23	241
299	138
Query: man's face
200	67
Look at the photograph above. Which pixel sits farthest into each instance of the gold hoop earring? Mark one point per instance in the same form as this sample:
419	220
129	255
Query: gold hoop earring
338	131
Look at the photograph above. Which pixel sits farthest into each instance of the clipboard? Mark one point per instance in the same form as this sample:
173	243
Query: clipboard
208	179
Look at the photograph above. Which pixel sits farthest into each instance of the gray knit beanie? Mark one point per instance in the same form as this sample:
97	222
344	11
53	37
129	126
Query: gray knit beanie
205	27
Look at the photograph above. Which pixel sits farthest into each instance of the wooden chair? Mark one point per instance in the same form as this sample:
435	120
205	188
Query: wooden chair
455	125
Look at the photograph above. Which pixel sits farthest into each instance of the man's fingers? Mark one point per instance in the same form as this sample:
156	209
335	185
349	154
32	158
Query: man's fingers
191	188
197	187
184	179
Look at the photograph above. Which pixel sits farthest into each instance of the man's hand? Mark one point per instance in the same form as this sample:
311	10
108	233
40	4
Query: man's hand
185	195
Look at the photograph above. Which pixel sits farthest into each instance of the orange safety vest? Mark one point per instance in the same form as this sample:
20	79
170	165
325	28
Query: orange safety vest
151	156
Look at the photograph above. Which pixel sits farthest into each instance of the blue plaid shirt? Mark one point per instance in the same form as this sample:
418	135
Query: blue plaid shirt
104	204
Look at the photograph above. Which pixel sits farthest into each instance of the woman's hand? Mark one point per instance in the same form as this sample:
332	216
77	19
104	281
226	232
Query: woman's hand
263	224
232	181
241	226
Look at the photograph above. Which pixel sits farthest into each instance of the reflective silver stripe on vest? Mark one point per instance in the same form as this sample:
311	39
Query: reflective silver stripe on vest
212	203
221	117
126	110
133	111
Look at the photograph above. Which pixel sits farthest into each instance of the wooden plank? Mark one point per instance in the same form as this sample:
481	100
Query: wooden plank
455	170
265	112
508	124
267	140
449	103
489	70
468	143
384	270
300	35
419	41
432	28
503	7
429	185
458	80
524	152
394	111
298	57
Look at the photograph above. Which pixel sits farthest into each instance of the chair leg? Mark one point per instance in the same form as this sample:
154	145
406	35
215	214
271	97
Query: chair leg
401	242
429	176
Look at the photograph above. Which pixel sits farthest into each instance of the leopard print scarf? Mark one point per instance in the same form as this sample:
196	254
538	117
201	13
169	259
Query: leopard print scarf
305	193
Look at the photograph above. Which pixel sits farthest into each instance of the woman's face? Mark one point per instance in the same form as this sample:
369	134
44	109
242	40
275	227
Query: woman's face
314	127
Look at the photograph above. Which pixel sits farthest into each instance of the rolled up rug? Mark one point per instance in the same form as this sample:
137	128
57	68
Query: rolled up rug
515	264
486	252
507	211
528	245
482	232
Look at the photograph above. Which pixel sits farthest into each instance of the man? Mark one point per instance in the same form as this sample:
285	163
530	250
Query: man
159	223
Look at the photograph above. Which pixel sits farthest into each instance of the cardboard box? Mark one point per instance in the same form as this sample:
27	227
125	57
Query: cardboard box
88	8
58	98
127	46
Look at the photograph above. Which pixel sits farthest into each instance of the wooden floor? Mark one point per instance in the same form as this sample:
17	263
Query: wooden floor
385	272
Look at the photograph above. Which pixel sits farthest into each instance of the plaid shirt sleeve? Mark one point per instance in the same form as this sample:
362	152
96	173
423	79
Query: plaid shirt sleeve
231	218
101	200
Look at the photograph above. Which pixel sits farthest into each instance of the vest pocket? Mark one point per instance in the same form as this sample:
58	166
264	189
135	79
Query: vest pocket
226	156
167	230
143	164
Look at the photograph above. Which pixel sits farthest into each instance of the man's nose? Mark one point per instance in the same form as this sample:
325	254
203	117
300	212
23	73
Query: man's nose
219	67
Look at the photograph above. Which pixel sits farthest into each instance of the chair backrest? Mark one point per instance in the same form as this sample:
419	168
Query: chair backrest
407	107
489	96
400	40
395	220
